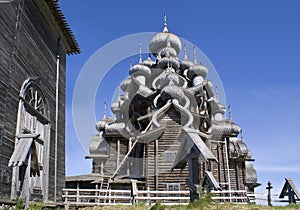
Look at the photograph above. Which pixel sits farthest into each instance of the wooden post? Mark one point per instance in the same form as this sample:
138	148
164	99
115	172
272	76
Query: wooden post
56	119
148	196
237	175
269	187
77	193
66	200
97	194
109	196
219	164
156	164
128	162
118	152
291	195
66	196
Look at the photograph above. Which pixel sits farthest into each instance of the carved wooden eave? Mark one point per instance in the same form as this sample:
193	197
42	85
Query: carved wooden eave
188	138
151	135
210	182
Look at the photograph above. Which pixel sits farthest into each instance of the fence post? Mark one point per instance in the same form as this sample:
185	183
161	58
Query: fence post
269	187
77	193
97	194
66	200
148	196
109	195
66	196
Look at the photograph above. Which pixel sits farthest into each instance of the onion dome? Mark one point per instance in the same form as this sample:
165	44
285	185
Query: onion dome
115	107
115	128
185	63
140	69
98	146
235	128
166	61
125	84
243	149
197	69
168	51
238	148
100	125
159	41
251	175
149	62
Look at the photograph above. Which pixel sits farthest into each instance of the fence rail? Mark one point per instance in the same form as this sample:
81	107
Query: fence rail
92	197
99	197
262	198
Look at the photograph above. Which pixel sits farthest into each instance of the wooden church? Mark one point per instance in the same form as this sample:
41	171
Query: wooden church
34	41
168	131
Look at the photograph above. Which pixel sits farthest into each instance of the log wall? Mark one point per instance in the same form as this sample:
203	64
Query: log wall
28	50
166	143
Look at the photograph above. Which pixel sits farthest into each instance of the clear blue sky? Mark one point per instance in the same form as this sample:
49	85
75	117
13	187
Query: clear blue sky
254	45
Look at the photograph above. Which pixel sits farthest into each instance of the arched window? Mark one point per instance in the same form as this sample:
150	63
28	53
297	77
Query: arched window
30	159
34	97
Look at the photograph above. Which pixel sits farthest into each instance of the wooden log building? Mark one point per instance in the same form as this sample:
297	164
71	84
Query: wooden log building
168	131
34	41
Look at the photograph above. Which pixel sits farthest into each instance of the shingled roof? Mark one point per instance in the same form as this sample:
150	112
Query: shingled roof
56	19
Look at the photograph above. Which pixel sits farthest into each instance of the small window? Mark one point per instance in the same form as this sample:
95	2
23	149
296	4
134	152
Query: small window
170	155
173	187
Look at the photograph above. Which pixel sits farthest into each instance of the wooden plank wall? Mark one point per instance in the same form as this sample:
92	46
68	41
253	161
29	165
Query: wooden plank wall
236	168
167	142
34	46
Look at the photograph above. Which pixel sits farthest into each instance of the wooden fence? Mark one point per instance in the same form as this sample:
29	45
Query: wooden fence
97	197
262	199
241	196
234	196
94	197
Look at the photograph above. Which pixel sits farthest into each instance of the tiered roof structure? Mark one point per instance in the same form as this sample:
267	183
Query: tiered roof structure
168	130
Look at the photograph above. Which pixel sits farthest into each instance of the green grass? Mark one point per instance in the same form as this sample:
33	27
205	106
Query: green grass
203	203
196	206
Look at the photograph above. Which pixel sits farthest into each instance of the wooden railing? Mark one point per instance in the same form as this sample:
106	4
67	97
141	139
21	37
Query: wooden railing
262	199
98	197
241	196
93	197
234	196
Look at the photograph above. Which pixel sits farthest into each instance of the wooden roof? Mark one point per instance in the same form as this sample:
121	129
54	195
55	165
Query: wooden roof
83	178
57	21
289	184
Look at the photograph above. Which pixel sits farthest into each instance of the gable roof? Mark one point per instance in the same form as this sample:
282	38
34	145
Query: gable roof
289	184
59	25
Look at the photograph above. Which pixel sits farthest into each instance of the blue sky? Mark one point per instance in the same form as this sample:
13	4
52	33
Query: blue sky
254	46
